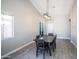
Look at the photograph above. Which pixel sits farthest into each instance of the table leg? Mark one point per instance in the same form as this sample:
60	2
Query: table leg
43	54
50	50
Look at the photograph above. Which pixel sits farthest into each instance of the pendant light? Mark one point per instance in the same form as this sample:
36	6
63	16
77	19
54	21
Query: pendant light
46	15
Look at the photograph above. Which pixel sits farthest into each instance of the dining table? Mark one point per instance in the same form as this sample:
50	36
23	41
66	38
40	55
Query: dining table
47	39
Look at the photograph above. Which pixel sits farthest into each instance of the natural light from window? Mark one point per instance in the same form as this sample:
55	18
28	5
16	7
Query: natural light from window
7	26
50	28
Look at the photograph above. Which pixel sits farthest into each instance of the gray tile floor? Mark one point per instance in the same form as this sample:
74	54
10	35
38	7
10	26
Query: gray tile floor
64	50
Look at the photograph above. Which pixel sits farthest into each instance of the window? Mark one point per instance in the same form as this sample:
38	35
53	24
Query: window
50	28
7	26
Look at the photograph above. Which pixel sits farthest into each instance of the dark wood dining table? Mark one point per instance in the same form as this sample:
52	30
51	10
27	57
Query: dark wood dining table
47	39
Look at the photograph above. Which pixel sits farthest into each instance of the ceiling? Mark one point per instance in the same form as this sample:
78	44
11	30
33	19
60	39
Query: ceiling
56	7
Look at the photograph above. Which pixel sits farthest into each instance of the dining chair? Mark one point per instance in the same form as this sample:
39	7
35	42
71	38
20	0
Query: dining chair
53	43
51	46
37	36
50	34
40	47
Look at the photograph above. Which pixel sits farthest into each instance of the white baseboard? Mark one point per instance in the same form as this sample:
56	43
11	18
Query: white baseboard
73	43
63	38
13	51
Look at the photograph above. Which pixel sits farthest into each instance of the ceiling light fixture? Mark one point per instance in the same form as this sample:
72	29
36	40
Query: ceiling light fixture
46	15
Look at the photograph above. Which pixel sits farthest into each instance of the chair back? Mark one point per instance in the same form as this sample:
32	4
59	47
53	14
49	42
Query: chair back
54	40
39	43
37	36
50	34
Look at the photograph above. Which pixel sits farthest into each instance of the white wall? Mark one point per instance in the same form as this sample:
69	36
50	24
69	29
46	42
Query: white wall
73	17
62	27
26	23
0	30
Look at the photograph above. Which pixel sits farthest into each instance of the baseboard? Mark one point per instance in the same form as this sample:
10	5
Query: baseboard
13	51
63	38
73	43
